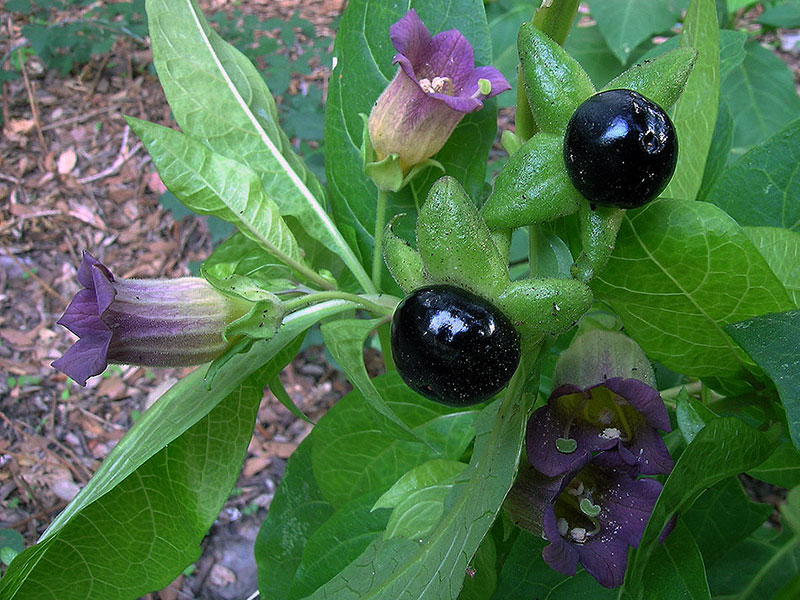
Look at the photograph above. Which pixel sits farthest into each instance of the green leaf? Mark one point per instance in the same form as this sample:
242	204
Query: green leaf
762	187
504	22
692	415
219	98
295	513
781	249
626	23
212	184
723	516
481	573
695	113
240	257
337	542
434	568
761	95
676	568
135	527
759	566
586	44
782	468
418	498
724	447
356	450
525	576
785	14
719	152
681	270
773	342
345	341
364	68
11	544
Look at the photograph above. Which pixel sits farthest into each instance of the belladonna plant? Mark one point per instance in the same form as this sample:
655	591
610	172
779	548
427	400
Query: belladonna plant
436	85
149	322
603	398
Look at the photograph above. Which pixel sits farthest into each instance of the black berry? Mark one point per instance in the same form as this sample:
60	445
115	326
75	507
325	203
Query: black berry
620	149
452	346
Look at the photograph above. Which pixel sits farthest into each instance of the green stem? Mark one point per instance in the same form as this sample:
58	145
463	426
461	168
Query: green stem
556	18
303	301
385	338
377	252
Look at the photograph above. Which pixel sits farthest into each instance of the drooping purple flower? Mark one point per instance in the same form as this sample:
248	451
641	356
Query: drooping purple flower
436	85
589	515
148	322
600	510
603	399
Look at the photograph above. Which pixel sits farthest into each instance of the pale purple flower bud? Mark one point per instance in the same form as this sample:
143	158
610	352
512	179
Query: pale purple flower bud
436	85
148	322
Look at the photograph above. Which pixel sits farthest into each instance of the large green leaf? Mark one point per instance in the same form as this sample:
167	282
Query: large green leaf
724	447
212	184
782	468
773	342
363	70
720	150
434	567
781	249
626	23
680	272
345	341
296	512
357	450
161	486
761	95
722	517
586	44
218	97
695	113
676	568
763	187
525	576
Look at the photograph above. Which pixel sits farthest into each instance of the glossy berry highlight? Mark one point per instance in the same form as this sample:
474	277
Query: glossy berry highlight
452	346
620	149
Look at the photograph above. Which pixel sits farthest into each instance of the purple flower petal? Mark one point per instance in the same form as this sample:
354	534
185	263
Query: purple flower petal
85	358
545	427
410	37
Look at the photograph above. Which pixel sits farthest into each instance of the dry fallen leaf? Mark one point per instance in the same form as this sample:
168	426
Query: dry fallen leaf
67	161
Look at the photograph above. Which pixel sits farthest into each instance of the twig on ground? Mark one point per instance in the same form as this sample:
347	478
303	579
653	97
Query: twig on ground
122	157
32	100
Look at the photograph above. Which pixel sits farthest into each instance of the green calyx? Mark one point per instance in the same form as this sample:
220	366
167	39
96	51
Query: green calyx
532	187
455	244
555	84
403	261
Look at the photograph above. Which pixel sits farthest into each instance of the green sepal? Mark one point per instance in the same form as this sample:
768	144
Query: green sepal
502	241
598	231
533	186
661	80
545	305
403	262
555	83
387	174
455	244
510	141
261	322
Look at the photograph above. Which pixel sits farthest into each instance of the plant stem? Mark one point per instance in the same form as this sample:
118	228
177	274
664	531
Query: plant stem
303	301
377	252
556	18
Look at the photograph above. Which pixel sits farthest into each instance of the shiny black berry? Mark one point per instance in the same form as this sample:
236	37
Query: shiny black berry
452	346
620	149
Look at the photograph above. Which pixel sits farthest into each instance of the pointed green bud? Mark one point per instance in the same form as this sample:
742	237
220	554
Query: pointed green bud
403	262
555	83
455	244
661	80
532	187
545	305
598	229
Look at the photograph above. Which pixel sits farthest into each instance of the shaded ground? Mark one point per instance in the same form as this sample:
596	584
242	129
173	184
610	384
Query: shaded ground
73	178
